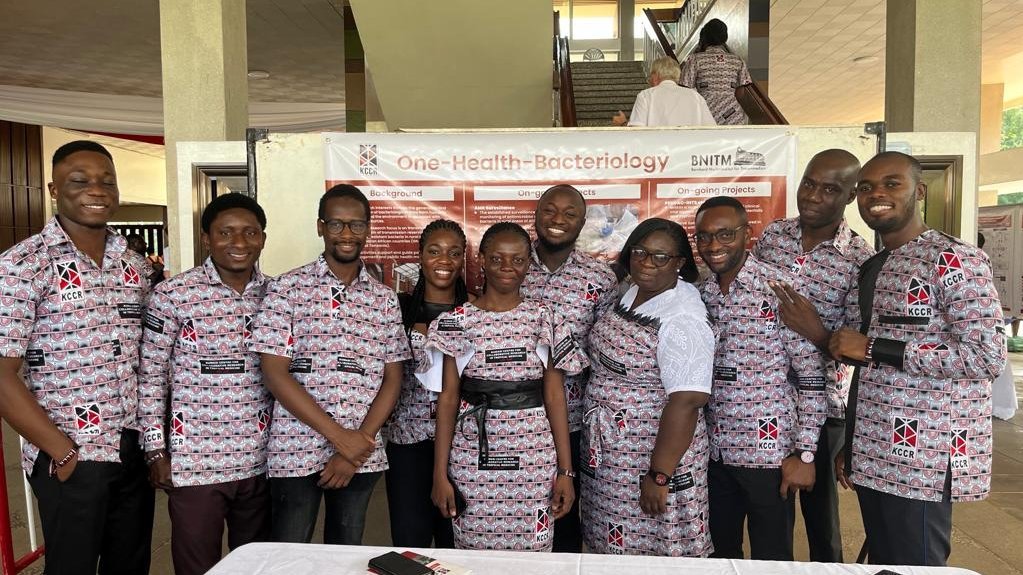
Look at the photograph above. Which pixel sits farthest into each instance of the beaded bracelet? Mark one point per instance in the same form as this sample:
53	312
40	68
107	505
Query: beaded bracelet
71	454
868	355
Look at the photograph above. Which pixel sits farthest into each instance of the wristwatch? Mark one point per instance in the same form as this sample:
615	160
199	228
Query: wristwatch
660	479
806	456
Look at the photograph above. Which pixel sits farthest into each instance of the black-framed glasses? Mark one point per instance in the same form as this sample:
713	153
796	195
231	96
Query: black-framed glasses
639	254
358	227
724	237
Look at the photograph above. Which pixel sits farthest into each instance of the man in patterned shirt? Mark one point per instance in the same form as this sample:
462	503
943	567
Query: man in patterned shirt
70	323
332	346
918	435
824	255
768	402
198	375
578	287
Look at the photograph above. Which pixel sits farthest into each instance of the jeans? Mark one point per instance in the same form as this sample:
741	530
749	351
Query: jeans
295	503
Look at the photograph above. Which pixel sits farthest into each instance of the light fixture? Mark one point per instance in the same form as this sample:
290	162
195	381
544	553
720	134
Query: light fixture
258	74
856	60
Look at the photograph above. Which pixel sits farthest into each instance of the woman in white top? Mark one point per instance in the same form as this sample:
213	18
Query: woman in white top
644	471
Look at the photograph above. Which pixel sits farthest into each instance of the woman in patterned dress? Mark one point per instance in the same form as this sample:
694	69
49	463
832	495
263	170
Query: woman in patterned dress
415	521
502	422
715	72
644	476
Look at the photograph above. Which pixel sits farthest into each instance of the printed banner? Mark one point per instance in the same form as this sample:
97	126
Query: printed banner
479	179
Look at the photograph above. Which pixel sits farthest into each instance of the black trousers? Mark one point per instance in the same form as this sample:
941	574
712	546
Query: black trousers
820	506
740	494
568	533
100	518
415	520
903	531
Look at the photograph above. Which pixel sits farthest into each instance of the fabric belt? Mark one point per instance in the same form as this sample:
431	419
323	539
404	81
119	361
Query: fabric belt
485	395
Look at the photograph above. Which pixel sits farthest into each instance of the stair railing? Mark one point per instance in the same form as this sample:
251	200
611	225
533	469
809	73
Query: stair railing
760	109
563	78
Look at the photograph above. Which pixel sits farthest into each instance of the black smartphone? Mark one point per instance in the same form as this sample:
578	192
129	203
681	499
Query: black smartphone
392	563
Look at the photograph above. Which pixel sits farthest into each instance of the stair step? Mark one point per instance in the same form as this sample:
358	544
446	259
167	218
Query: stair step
604	107
583	97
611	80
593	122
619	64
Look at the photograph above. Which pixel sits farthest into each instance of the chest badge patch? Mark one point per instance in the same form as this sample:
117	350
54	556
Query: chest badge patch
797	264
69	282
188	334
918	299
592	292
129	275
950	269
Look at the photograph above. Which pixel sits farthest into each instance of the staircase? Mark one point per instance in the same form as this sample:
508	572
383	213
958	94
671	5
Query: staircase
603	88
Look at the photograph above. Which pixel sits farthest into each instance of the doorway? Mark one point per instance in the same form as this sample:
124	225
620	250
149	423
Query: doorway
942	206
210	181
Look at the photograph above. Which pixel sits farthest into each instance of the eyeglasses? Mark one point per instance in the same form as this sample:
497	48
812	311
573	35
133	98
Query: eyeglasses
659	260
724	237
358	227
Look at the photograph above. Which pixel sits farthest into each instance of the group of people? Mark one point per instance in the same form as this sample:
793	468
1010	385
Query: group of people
556	408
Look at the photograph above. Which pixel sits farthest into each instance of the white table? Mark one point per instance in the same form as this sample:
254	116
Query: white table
310	559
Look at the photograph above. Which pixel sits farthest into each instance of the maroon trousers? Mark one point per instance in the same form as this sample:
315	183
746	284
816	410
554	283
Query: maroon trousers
198	515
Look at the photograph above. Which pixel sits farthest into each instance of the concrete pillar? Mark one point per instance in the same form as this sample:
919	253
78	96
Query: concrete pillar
355	76
990	137
626	29
205	88
932	66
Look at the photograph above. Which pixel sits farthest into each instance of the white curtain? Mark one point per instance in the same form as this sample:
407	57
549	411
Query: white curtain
142	115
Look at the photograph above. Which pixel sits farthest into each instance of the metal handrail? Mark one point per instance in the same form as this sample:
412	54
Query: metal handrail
563	77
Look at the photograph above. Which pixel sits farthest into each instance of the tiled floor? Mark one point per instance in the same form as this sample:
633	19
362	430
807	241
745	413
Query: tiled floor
987	535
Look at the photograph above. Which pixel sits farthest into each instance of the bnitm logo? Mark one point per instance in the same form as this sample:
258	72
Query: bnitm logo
367	159
741	159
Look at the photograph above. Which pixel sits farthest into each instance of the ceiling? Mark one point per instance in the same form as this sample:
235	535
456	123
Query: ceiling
113	47
813	79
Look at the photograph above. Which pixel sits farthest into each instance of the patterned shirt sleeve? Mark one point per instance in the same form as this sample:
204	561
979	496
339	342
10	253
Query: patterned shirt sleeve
743	78
396	349
446	336
685	355
808	368
271	329
608	298
556	335
160	330
974	347
17	309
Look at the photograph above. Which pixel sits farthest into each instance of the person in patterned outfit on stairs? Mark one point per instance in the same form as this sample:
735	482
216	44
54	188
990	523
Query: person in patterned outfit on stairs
715	72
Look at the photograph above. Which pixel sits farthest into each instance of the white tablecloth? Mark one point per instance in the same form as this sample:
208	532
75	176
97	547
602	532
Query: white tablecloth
298	559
